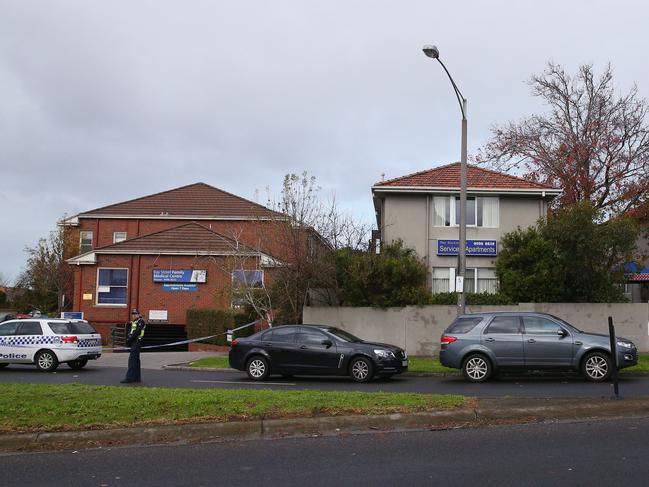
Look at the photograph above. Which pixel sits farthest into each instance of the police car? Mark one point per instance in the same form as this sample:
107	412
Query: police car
47	342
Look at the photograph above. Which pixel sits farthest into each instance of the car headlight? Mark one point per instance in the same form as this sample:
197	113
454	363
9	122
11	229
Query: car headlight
384	354
625	344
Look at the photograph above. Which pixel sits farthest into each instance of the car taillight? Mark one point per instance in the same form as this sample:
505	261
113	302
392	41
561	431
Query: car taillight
447	339
71	339
234	343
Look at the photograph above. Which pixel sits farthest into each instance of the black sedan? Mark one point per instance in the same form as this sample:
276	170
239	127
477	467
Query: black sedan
314	350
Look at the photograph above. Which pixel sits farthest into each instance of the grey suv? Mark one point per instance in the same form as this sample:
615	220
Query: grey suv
481	344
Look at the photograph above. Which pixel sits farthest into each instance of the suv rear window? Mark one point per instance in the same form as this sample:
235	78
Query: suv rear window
72	327
464	325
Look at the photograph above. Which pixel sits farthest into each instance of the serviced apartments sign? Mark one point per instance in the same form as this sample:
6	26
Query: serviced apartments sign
179	275
473	247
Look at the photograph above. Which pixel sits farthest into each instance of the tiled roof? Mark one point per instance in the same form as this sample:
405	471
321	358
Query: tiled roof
195	200
448	176
190	237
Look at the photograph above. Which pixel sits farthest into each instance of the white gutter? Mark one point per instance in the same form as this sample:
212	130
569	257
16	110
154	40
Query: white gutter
439	189
178	217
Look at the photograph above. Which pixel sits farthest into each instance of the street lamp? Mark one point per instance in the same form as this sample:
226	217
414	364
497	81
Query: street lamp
433	52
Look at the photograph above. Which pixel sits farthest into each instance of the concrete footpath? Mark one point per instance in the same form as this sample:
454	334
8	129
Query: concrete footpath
479	412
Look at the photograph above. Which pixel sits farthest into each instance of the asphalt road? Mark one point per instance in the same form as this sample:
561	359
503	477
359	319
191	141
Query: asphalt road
555	454
558	385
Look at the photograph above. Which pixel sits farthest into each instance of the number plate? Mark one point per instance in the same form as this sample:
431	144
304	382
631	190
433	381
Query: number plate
404	363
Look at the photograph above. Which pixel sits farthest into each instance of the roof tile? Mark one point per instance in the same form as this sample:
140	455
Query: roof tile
198	199
448	176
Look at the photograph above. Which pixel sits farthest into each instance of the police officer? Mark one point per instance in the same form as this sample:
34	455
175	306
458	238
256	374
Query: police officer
134	340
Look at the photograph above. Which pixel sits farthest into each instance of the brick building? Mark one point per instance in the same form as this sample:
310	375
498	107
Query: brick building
168	252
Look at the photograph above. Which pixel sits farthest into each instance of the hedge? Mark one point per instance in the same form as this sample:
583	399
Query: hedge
472	298
207	322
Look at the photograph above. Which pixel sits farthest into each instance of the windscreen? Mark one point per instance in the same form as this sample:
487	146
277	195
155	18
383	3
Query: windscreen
343	335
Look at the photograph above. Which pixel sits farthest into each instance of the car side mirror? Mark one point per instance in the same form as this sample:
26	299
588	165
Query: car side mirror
562	332
327	343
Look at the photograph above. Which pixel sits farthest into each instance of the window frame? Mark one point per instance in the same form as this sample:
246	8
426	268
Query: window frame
115	238
115	305
451	203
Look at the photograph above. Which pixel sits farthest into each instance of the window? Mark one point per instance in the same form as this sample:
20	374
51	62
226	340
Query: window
85	241
282	334
111	286
476	280
481	211
505	324
537	325
8	329
441	280
243	281
313	337
29	328
463	325
71	327
487	281
119	237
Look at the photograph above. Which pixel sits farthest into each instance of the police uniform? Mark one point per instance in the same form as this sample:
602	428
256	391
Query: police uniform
134	340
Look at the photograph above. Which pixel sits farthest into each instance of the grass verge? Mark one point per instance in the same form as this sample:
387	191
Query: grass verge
67	407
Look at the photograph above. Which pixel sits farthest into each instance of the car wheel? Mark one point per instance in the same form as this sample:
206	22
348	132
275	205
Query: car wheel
361	369
476	368
257	368
78	364
46	361
597	367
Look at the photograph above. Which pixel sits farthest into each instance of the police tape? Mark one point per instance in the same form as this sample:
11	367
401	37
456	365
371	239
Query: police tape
106	349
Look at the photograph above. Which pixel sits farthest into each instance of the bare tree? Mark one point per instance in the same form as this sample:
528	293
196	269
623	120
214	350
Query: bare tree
592	143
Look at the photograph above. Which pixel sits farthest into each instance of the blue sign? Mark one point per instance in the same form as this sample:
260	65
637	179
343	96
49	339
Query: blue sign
179	287
179	275
473	247
72	315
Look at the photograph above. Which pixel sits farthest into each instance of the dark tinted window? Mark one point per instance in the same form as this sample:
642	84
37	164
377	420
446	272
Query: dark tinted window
505	324
72	327
29	328
308	335
8	328
282	334
343	335
537	325
464	325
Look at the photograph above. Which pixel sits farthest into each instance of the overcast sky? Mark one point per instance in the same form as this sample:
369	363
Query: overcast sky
101	102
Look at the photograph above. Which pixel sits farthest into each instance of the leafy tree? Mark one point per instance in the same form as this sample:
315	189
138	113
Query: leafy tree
592	143
46	276
567	257
395	277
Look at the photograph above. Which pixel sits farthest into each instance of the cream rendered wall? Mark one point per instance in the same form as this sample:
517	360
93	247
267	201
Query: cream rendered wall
409	217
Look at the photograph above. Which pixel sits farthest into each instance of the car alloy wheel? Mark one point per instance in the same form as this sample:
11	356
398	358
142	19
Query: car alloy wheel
257	368
46	361
476	368
597	367
361	370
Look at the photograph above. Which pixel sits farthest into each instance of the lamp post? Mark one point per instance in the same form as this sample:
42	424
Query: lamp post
433	52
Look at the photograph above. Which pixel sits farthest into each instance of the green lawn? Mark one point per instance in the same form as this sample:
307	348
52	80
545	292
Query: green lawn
56	407
418	365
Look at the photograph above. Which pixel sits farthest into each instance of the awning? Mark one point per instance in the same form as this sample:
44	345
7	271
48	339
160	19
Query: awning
635	272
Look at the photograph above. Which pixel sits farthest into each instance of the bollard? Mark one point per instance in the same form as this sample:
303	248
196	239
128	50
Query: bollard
611	333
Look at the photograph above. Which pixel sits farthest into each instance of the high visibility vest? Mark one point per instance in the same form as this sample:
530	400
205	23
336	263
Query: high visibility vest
133	328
